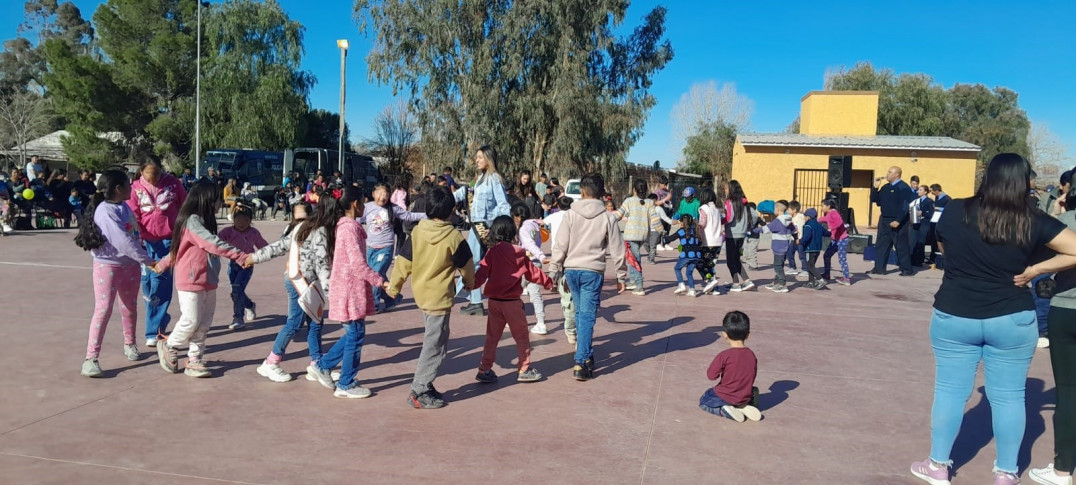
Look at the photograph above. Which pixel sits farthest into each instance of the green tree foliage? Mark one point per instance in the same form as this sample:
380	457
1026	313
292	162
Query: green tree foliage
321	129
22	62
253	92
548	83
914	104
709	150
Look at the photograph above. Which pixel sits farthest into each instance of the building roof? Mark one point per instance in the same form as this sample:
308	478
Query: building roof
50	146
880	142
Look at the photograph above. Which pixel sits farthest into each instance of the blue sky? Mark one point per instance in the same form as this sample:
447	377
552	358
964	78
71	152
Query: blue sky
775	52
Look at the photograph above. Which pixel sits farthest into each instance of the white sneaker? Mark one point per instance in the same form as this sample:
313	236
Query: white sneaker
747	286
539	329
780	289
356	392
1043	343
630	287
680	289
273	372
710	286
751	412
791	272
230	217
237	324
6	228
249	314
692	293
1048	476
334	375
733	413
320	376
151	342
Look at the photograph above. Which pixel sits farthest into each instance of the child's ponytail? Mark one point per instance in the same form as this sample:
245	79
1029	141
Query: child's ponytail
639	186
89	235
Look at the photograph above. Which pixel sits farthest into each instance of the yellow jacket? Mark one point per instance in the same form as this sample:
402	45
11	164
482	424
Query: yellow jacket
431	257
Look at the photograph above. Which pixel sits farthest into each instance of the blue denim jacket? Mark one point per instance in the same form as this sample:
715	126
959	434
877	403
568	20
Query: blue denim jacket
489	201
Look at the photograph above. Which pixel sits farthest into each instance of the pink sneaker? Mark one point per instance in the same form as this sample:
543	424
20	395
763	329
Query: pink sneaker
1005	478
930	472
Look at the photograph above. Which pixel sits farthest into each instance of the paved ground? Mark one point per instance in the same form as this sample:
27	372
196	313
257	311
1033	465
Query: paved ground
846	378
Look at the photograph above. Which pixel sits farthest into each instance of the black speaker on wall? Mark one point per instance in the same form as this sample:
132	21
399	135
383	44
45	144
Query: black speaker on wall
840	170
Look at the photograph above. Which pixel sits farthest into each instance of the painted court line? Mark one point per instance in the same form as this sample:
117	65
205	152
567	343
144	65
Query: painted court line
43	265
19	455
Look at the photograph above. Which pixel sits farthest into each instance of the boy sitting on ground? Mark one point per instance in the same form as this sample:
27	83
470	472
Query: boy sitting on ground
734	369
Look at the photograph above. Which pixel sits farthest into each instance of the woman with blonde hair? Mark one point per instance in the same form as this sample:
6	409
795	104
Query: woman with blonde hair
488	201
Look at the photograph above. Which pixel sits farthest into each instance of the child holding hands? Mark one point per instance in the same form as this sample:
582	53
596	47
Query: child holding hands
503	270
111	235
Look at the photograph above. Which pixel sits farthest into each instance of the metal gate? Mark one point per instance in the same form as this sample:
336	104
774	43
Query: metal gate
809	187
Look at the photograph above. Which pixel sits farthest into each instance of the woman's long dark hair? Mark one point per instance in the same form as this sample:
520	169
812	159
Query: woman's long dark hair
1002	208
202	202
89	235
736	197
325	215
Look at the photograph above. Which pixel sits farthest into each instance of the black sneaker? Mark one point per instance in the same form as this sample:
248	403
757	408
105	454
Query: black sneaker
434	392
486	377
473	309
582	373
425	401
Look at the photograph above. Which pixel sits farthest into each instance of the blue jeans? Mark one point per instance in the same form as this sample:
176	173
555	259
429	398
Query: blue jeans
1042	305
793	250
476	255
712	404
379	260
296	316
347	352
157	290
239	279
1005	345
635	277
690	265
586	288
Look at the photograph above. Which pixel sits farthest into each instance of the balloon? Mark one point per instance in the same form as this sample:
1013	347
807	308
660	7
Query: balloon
28	194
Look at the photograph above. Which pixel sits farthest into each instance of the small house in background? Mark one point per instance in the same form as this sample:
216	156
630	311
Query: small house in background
795	165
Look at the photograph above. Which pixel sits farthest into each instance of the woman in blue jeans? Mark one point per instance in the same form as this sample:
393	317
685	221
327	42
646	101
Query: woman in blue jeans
489	202
981	315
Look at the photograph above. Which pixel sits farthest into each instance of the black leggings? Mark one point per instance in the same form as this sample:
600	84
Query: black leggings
1062	334
735	249
707	266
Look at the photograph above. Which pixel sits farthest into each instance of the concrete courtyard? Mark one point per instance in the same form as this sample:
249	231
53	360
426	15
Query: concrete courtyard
846	377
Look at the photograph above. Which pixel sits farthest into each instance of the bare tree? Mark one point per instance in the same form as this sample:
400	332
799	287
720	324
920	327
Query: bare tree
396	136
706	104
1049	155
24	115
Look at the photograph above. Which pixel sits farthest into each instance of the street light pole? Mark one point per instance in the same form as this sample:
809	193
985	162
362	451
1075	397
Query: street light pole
343	45
198	99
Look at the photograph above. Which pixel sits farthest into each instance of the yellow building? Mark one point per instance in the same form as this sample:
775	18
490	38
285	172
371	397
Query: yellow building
795	165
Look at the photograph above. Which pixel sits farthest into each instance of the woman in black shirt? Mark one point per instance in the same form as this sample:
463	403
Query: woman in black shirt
980	315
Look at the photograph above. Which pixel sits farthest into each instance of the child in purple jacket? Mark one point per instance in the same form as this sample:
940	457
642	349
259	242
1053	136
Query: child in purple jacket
782	232
110	233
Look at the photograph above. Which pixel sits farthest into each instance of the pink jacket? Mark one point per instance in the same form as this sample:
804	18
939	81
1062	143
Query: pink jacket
156	206
197	264
247	241
352	297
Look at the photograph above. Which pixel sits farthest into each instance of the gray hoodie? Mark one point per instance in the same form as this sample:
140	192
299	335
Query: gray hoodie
586	233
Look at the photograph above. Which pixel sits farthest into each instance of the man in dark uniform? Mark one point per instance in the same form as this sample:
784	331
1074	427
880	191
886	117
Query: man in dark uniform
894	197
